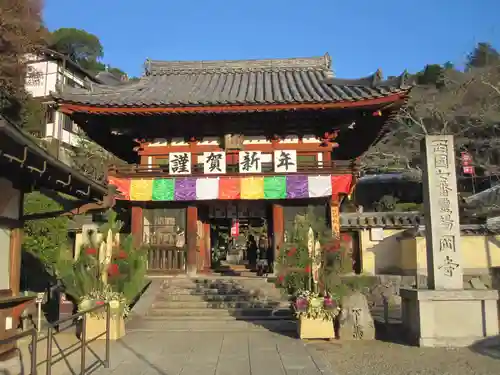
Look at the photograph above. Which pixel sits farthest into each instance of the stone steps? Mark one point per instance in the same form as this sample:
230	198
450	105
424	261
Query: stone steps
216	313
217	304
207	298
222	325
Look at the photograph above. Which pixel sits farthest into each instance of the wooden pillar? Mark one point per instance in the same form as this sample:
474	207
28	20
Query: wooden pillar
191	239
335	215
137	225
207	246
16	238
278	229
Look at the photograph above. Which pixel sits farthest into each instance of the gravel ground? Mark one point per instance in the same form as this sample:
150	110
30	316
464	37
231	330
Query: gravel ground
383	358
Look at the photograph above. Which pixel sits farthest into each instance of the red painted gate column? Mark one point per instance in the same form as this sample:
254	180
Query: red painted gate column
278	229
137	224
191	239
208	249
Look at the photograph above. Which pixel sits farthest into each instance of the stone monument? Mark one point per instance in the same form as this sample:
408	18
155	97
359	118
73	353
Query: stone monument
445	314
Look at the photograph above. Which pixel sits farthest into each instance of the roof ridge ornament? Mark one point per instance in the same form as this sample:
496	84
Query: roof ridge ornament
377	77
158	67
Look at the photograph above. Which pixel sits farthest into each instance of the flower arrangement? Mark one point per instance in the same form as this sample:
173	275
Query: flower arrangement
312	305
117	303
312	263
106	272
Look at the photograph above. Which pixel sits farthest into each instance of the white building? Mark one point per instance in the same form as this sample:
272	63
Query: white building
48	72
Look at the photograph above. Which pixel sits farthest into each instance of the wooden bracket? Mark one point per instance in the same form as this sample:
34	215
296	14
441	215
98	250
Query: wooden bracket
20	161
64	183
87	193
41	171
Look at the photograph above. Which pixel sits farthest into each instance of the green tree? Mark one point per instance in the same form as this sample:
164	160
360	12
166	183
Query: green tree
483	55
92	159
431	75
82	47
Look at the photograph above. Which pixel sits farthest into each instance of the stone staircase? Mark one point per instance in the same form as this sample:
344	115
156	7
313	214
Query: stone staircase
217	303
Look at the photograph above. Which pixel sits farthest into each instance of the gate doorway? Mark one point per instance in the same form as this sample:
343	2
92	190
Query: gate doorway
164	233
238	233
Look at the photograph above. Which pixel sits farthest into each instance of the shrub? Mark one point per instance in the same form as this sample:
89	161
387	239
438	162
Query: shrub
46	239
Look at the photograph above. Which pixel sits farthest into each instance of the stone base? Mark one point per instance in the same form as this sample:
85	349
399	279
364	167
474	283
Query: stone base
315	329
449	318
96	328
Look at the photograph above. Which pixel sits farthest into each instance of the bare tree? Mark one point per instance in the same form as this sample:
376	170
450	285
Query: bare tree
463	104
21	33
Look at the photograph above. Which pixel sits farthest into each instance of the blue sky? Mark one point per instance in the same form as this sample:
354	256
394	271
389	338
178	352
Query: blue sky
360	35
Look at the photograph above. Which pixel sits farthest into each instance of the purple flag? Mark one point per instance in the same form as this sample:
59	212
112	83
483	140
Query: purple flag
297	187
185	189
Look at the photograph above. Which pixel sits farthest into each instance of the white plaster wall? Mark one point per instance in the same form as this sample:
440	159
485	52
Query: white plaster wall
46	78
50	73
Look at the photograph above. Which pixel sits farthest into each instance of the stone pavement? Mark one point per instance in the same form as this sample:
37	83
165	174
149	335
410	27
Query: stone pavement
200	353
66	356
386	358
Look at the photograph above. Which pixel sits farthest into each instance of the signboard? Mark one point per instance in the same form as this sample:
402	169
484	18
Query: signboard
465	158
257	210
285	161
250	161
232	211
233	141
235	228
243	210
214	162
219	211
469	170
179	163
40	297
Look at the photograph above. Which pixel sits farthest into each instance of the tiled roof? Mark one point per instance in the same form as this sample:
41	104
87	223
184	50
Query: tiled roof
381	220
21	158
108	78
489	197
237	82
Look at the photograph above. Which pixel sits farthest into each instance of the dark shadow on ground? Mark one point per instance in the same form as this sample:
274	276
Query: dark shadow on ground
148	364
489	347
390	332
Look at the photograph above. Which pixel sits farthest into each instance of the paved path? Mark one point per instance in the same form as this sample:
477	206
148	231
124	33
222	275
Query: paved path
66	356
190	353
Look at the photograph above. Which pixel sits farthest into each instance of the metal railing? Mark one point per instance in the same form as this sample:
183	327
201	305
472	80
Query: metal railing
82	317
78	317
34	339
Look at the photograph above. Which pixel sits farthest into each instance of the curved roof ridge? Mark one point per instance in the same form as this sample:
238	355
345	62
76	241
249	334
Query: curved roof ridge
373	80
159	67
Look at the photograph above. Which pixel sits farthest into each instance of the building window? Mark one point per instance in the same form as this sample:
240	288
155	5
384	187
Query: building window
67	123
307	160
162	162
49	114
